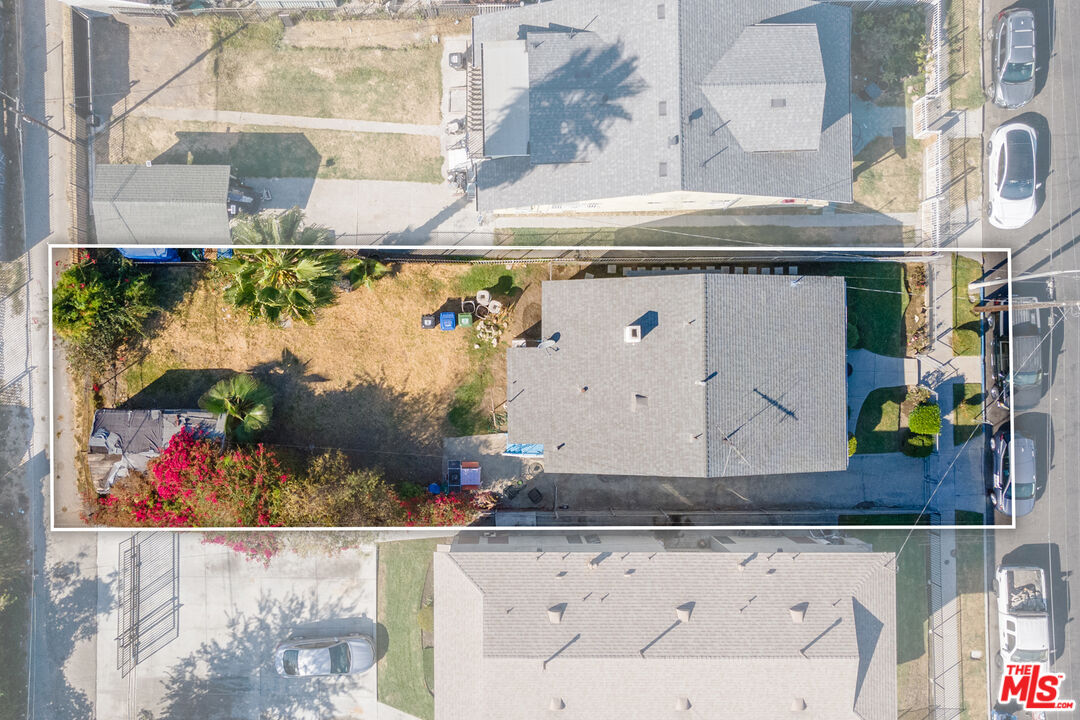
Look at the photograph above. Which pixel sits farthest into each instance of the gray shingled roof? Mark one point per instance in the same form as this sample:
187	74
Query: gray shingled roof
769	88
738	375
619	651
616	147
161	203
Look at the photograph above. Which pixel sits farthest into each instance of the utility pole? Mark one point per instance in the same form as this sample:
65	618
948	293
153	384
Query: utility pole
12	105
1005	306
1020	278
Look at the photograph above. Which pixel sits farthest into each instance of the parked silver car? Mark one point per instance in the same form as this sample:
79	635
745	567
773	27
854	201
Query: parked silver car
1013	149
1014	471
1013	83
312	657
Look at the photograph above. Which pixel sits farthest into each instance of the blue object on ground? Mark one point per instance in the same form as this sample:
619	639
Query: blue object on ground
447	321
150	255
525	449
434	488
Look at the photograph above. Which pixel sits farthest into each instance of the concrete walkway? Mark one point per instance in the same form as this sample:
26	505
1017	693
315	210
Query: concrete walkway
290	121
870	371
826	219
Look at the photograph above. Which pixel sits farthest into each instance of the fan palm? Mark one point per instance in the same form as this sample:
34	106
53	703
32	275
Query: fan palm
363	271
284	229
246	403
280	284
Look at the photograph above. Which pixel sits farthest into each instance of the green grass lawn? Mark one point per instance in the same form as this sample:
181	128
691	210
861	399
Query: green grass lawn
877	428
403	565
14	613
876	298
912	612
968	411
967	323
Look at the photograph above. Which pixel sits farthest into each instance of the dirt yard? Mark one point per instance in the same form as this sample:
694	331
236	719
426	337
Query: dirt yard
365	377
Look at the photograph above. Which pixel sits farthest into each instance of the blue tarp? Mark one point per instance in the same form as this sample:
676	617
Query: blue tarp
150	255
525	449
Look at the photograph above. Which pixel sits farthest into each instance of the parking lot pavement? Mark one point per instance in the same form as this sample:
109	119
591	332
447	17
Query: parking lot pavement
209	620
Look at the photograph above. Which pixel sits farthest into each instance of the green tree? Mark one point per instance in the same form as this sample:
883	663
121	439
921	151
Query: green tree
363	271
285	229
279	284
246	403
99	304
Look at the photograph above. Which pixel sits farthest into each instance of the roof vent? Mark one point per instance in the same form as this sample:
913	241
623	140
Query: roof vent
629	572
779	102
659	12
632	333
638	402
797	704
663	107
682	703
555	613
684	611
556	703
798	612
663	169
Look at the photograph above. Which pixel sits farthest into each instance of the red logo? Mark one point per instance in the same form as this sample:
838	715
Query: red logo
1032	688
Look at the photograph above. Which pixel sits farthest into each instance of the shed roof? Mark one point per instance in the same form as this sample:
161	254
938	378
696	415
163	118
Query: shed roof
161	203
734	375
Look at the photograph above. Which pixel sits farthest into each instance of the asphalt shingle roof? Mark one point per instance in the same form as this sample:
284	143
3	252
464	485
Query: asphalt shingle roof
619	649
734	375
161	203
641	54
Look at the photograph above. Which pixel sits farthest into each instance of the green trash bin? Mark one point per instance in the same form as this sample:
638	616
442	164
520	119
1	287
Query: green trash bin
464	319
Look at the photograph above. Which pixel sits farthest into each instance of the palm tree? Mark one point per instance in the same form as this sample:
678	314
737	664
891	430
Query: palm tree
281	284
363	271
283	229
246	403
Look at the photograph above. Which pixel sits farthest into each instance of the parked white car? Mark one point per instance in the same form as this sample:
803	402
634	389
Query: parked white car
312	657
1013	148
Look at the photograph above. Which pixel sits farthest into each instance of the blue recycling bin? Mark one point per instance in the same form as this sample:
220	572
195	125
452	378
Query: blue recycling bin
447	321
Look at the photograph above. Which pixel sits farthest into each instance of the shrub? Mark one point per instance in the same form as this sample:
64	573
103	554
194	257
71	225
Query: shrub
917	395
191	484
426	618
919	446
852	445
332	493
925	419
258	547
99	305
436	510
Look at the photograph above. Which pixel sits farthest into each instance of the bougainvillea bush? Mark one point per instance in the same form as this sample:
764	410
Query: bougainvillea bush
192	484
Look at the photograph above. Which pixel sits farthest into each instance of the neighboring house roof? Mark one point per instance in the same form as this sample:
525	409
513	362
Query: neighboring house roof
161	203
602	635
122	440
636	97
734	375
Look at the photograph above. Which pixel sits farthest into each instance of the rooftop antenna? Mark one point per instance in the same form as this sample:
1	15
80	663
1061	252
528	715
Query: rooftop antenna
574	30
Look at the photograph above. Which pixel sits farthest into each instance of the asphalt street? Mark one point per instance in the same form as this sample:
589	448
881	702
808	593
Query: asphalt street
1050	535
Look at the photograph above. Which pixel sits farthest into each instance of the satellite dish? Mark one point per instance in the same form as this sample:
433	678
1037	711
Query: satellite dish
549	343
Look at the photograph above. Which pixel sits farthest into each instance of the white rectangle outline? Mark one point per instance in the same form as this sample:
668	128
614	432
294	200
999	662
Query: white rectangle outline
528	248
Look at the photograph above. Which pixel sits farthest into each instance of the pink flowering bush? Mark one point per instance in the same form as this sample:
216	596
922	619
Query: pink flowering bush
192	484
438	510
258	547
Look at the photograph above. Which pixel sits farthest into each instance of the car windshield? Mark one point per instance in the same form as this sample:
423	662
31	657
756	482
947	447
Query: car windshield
339	658
1029	656
1020	175
1020	491
1018	72
288	661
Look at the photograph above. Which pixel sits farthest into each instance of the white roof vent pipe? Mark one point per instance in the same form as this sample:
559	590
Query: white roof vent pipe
798	612
555	613
632	334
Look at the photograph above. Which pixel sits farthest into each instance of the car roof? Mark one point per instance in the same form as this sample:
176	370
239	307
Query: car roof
1022	36
313	661
1023	460
1026	353
1020	154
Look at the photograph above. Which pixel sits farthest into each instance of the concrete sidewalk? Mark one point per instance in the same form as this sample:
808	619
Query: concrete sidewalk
290	121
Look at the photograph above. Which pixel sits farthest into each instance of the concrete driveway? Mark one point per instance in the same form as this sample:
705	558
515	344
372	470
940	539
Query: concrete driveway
209	620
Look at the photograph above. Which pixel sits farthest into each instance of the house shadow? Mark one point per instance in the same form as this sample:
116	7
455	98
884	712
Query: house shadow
110	66
176	389
232	674
285	163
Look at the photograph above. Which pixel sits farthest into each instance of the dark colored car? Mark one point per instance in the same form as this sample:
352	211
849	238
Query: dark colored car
1029	356
1014	58
1014	473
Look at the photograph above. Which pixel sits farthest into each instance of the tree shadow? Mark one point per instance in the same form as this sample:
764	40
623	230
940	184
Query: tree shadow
232	675
70	616
572	109
176	389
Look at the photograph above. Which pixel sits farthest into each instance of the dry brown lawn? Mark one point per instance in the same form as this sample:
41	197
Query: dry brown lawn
372	32
364	377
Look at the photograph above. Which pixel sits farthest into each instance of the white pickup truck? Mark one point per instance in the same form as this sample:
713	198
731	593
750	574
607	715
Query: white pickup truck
1023	614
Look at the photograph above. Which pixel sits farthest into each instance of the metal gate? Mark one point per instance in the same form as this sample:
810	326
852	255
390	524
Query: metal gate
148	593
